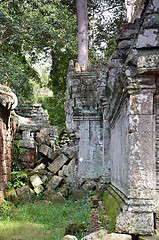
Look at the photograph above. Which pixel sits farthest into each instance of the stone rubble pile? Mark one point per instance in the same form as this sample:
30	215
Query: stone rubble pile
48	159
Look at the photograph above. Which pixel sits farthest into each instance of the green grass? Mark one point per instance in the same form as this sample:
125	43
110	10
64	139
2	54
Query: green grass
41	221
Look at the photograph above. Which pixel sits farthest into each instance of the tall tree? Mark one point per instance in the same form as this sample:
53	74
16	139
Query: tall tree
82	32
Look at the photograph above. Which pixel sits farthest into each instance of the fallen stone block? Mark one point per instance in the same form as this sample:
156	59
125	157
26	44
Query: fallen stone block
48	193
12	195
74	227
35	180
24	194
43	136
54	197
60	173
65	170
39	189
71	167
55	166
43	149
89	185
57	198
44	179
54	182
49	152
64	191
69	152
27	143
78	194
148	237
37	183
39	168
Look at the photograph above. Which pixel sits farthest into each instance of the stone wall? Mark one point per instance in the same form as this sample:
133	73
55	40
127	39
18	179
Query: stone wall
84	122
7	127
126	132
35	113
120	148
32	121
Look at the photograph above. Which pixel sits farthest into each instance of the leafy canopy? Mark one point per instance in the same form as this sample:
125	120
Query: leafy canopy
33	27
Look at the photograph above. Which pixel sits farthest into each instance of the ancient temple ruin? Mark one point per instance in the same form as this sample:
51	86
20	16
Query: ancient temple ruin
112	115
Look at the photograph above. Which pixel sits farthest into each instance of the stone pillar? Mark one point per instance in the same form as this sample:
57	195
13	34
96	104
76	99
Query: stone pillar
142	141
138	215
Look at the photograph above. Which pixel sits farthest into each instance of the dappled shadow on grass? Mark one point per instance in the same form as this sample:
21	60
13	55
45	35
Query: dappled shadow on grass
25	231
39	221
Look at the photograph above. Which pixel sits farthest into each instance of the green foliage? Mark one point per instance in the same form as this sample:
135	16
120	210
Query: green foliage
40	196
18	179
6	209
55	108
18	176
34	27
5	206
105	18
15	74
18	162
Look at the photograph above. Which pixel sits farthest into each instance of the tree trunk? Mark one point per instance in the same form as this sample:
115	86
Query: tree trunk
130	9
132	13
82	32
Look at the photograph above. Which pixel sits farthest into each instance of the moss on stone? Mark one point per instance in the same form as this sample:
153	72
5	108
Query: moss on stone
113	203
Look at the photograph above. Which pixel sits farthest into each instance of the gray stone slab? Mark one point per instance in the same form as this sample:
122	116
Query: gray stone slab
49	152
54	182
58	163
148	38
